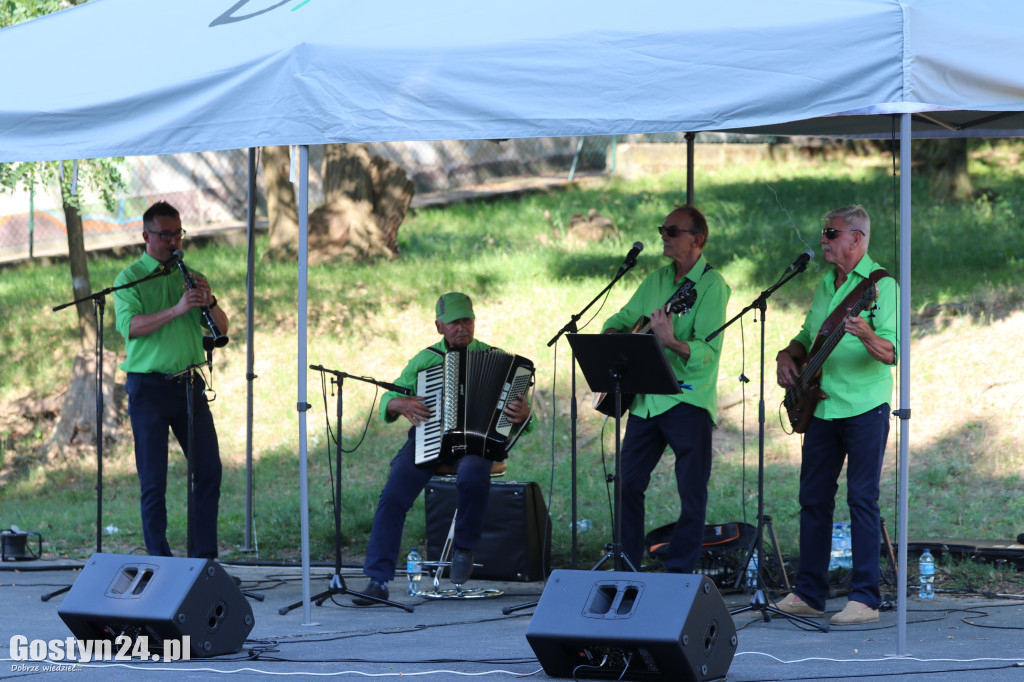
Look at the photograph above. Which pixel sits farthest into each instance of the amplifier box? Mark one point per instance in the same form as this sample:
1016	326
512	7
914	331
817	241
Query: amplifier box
516	542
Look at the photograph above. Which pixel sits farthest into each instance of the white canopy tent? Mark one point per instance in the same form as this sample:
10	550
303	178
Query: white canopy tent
120	78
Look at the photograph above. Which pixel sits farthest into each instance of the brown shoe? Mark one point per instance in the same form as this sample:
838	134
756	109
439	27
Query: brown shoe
798	607
855	613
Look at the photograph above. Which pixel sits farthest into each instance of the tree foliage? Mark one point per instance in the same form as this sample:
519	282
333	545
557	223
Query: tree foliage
101	177
16	11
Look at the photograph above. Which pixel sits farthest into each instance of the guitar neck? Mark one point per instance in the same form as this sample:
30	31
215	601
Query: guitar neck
816	361
644	324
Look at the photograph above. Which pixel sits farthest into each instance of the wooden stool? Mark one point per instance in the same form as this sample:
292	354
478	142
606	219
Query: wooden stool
447	472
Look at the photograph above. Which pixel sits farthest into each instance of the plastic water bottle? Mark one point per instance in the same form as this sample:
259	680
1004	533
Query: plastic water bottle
847	548
583	525
842	546
926	570
752	572
414	570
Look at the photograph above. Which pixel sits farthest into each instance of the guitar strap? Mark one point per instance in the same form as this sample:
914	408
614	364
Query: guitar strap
685	287
837	316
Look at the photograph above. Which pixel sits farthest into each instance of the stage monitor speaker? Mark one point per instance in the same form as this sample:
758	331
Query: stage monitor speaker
516	540
632	626
163	598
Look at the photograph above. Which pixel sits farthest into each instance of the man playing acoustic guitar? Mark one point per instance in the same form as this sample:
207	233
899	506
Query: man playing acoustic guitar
682	421
847	350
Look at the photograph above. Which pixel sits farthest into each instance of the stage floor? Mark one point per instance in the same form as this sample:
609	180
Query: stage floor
947	638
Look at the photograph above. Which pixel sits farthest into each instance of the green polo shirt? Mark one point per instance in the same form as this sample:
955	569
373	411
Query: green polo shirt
708	314
426	359
173	347
854	381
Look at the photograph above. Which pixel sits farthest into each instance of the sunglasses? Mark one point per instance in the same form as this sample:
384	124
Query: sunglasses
831	233
671	231
167	236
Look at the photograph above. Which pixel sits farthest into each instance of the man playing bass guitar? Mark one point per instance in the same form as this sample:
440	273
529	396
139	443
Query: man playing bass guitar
682	421
851	421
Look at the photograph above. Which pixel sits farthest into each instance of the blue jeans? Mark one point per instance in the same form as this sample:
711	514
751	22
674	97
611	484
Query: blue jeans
687	430
405	482
859	440
154	405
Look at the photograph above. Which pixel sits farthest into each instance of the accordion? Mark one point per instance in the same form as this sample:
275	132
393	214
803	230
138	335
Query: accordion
466	395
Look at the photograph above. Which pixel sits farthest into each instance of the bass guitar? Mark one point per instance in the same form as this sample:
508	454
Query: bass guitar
680	304
803	397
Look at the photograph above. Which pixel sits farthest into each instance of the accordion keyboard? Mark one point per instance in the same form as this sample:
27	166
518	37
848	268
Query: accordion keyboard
430	385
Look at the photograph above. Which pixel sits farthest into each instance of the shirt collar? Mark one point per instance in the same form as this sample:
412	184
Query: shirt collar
150	262
697	271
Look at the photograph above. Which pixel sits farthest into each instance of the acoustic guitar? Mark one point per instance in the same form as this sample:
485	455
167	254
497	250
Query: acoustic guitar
803	397
680	304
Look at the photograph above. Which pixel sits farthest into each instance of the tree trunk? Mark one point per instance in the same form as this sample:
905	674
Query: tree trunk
282	208
76	424
365	201
945	165
80	286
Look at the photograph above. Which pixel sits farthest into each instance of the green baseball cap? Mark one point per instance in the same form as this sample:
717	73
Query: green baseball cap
453	306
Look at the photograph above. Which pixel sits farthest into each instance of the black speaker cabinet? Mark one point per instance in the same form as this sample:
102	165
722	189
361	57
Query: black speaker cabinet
632	626
163	598
516	542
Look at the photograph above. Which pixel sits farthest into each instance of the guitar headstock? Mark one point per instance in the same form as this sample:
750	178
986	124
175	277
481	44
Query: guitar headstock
682	304
866	301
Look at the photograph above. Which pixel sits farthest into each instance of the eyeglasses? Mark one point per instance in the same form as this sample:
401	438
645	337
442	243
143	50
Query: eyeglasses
168	236
671	231
831	233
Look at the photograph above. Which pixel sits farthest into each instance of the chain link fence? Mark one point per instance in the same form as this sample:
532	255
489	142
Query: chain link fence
210	189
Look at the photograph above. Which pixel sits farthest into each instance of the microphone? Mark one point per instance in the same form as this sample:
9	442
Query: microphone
169	264
631	256
801	261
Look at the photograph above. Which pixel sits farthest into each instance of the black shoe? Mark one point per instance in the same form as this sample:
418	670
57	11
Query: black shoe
462	565
374	588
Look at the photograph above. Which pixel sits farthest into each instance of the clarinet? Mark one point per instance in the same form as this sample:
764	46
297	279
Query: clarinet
219	340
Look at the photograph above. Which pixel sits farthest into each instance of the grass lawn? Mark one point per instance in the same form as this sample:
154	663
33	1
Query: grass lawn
965	440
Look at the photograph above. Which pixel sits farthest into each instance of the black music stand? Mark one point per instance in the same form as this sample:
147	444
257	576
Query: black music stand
617	364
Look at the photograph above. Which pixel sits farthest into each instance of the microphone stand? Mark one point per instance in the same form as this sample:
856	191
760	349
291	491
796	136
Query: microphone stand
187	376
99	302
758	600
337	584
571	328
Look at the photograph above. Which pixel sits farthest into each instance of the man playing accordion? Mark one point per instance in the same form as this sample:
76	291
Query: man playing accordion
455	321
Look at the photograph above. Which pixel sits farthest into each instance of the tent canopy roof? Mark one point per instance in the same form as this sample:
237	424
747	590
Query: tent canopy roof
120	77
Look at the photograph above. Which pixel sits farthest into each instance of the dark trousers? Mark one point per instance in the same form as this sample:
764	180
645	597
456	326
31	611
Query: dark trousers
154	404
687	430
859	440
405	482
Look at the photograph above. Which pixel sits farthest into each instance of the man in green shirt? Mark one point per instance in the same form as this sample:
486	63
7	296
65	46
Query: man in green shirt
851	423
455	321
163	328
682	421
